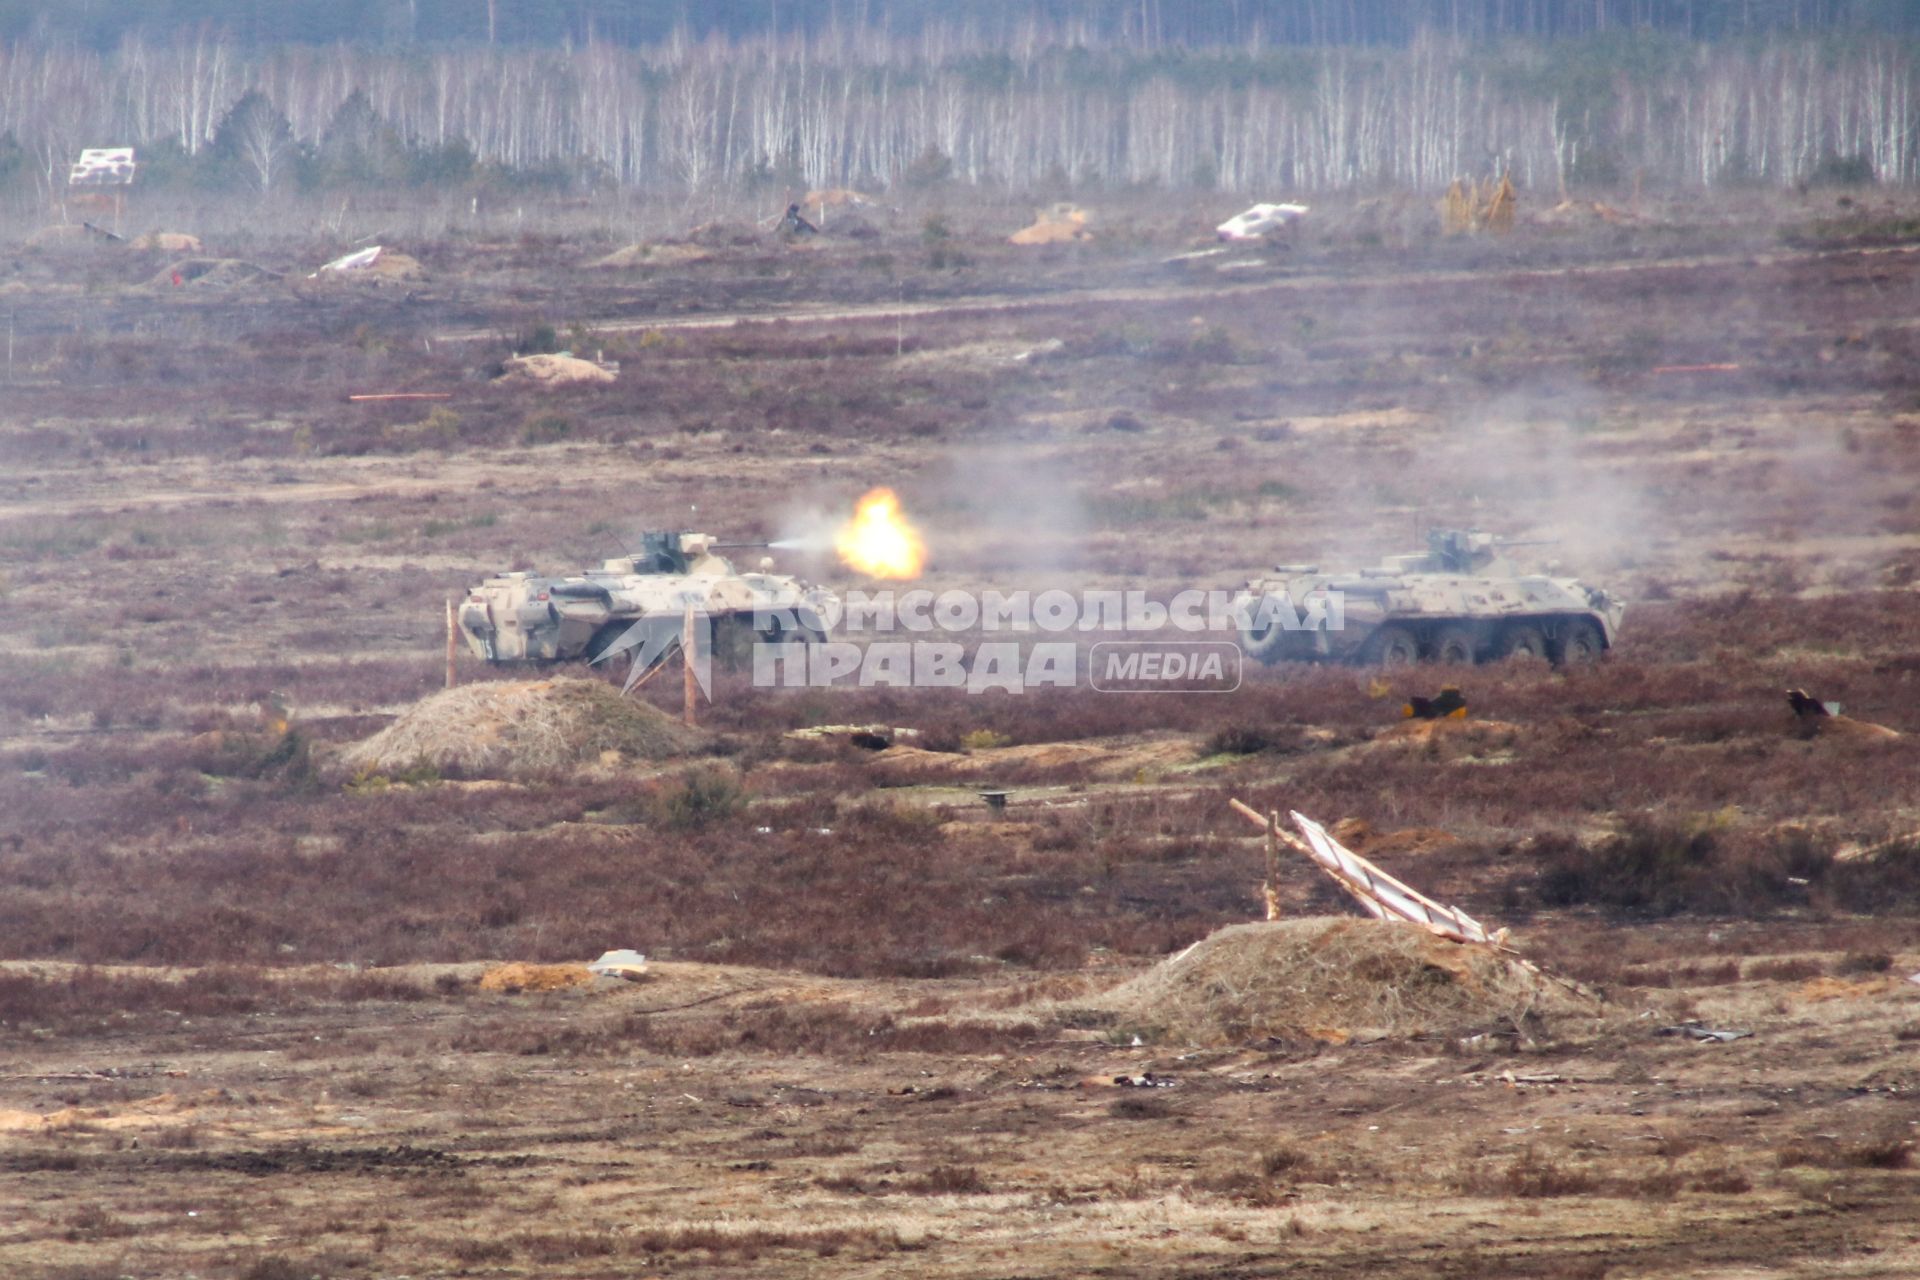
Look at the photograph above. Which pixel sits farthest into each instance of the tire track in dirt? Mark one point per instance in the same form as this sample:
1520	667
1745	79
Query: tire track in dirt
991	304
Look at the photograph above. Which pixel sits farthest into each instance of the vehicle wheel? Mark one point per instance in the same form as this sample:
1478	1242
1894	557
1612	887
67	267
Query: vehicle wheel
1455	646
604	639
1581	643
1523	640
1264	639
733	639
1391	647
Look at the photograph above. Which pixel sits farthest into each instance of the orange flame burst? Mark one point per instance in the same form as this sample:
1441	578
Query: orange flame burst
878	541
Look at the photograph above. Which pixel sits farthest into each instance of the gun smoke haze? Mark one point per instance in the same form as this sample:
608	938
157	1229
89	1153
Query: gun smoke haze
1012	509
1533	475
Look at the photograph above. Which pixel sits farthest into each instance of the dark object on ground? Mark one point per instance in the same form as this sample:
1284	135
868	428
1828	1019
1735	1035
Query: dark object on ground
1805	705
1697	1031
1448	704
796	225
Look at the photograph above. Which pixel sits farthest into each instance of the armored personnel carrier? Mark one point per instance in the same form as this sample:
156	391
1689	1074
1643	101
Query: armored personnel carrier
631	599
1461	601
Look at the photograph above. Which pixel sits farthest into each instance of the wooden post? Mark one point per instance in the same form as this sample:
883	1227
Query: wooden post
1271	889
1270	824
686	656
450	642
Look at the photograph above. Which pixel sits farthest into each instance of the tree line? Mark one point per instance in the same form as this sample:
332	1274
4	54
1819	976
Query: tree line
868	109
102	24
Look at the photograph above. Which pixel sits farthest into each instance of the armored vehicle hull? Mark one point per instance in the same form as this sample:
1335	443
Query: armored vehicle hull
638	603
1460	602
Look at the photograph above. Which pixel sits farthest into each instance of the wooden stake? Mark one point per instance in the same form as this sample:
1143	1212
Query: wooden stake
1270	823
450	642
686	655
1271	889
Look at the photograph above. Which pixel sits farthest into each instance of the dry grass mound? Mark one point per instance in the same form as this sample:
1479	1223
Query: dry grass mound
721	234
65	236
522	728
1848	727
555	371
210	273
1334	980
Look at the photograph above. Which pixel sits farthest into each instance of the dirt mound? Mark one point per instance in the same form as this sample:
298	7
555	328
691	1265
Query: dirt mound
1359	836
168	242
515	976
376	266
392	265
522	728
721	235
1057	224
67	235
555	371
210	273
1327	979
1845	727
653	255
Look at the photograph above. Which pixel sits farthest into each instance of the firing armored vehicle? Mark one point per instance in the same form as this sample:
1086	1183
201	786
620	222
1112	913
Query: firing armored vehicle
633	599
1461	601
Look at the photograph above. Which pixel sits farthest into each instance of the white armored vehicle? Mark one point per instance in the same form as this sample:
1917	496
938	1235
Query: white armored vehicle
1460	601
640	602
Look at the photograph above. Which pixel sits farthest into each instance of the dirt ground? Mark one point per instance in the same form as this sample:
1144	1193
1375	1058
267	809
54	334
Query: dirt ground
242	1030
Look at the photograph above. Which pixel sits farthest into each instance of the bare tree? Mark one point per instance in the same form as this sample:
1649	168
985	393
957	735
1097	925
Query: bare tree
257	141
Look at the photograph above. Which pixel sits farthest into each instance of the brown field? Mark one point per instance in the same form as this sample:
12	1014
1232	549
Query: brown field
243	1032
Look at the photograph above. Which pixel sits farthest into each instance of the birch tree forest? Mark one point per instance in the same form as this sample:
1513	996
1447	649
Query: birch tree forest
1047	107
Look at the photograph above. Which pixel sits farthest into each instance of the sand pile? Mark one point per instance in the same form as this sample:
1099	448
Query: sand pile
1328	979
1837	726
1057	224
168	242
555	371
393	265
515	977
522	728
1358	835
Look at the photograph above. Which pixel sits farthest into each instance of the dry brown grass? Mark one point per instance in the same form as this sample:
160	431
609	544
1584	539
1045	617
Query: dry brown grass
517	976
